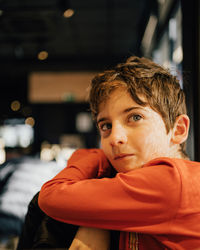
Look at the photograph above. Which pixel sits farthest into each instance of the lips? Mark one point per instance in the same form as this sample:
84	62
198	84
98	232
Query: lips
121	156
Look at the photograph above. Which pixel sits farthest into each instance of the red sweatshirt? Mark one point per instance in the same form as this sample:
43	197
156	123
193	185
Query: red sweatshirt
154	207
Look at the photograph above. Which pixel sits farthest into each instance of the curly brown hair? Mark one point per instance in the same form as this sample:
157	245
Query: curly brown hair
142	78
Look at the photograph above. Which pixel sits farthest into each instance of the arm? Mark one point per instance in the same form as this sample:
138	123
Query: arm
137	200
91	238
88	238
90	163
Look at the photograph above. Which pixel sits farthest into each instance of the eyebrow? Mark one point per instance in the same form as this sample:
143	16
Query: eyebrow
124	111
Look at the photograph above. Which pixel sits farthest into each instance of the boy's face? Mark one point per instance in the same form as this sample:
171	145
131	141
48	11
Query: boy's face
131	135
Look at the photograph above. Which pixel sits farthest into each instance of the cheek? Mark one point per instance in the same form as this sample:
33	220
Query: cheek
150	145
152	142
156	145
105	147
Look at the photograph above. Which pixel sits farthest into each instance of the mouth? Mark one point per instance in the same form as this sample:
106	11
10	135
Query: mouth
122	156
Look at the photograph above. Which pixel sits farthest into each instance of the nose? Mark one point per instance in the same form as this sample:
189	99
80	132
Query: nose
118	135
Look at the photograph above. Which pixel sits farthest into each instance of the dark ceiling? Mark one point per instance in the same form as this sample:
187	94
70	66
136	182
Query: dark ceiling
99	34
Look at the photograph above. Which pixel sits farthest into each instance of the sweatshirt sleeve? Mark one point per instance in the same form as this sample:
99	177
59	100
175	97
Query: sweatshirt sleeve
140	200
87	164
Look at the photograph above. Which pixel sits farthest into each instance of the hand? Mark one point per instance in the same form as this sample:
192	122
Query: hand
88	238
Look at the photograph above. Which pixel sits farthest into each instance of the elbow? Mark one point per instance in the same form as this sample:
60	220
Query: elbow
49	201
55	201
46	201
43	202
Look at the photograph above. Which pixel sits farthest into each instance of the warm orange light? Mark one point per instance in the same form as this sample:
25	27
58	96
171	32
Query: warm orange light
30	121
42	55
15	105
68	13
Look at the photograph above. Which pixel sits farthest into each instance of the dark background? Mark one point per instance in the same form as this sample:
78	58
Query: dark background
100	34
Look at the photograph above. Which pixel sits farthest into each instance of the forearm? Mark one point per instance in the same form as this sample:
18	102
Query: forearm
116	203
59	193
91	238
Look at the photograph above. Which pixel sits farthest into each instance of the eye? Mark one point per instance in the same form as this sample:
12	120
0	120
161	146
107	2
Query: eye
135	117
105	126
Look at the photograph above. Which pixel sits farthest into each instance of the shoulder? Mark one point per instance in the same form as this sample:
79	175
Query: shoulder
166	174
163	174
159	182
180	166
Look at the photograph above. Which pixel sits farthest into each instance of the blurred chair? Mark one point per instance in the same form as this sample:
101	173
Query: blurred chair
20	180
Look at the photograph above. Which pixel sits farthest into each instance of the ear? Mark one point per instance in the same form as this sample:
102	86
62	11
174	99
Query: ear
180	129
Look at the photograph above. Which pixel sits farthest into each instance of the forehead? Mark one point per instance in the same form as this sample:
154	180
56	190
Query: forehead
118	96
120	99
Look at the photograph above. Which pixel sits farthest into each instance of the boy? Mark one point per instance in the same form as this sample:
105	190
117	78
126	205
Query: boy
154	197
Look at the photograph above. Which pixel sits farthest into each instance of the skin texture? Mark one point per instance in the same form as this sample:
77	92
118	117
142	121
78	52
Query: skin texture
91	239
132	135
